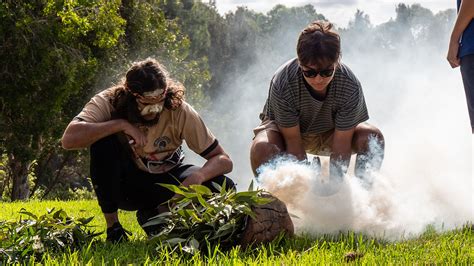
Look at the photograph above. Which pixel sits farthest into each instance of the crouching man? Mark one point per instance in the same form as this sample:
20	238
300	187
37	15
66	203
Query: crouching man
316	105
135	131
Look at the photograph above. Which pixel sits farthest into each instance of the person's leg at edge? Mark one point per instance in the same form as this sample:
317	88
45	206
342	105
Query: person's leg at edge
369	145
266	145
467	73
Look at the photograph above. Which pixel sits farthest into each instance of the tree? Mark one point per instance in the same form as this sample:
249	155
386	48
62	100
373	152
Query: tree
283	25
358	37
150	33
55	54
46	58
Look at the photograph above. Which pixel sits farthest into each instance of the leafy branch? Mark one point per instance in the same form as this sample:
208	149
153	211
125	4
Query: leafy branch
201	218
36	235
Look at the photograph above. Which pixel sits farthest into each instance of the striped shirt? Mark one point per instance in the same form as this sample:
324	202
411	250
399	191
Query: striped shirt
291	101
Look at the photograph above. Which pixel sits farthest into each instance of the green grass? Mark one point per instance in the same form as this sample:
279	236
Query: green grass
454	247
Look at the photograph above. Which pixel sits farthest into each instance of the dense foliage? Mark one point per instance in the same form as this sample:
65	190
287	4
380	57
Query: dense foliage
54	55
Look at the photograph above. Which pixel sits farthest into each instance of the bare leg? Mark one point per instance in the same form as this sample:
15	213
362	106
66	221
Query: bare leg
369	144
266	145
111	218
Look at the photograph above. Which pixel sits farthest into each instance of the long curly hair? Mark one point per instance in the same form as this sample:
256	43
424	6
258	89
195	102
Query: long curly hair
144	76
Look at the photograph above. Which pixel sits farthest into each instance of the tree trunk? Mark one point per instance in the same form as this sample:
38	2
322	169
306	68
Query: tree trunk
6	176
19	177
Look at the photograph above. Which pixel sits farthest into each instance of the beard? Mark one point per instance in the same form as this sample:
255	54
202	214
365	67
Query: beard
152	109
130	111
126	107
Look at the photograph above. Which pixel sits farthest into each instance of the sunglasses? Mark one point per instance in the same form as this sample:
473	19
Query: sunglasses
325	73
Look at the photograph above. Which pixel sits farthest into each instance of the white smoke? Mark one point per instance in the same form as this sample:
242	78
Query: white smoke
426	178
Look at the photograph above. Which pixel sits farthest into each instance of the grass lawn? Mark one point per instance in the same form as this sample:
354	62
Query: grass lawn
453	247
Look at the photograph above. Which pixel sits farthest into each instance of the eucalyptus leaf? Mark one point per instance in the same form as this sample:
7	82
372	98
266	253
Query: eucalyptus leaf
251	186
216	186
173	188
202	190
174	241
155	221
23	211
203	202
263	201
85	221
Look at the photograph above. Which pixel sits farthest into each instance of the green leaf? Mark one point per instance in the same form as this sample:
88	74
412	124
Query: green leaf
85	221
216	186
225	230
173	188
203	202
174	241
195	217
263	201
23	211
251	186
246	193
60	214
192	246
203	190
155	221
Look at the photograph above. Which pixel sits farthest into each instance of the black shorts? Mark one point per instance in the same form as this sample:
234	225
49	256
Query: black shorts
120	184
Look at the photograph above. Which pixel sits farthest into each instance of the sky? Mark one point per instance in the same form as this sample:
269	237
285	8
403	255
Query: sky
338	11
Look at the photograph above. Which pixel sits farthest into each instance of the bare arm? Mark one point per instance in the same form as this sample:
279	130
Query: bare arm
218	163
81	134
465	15
293	141
341	152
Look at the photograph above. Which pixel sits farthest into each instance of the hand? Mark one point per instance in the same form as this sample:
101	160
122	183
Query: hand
195	178
136	134
452	56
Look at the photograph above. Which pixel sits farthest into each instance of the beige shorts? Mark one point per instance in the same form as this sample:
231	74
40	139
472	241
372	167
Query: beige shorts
317	144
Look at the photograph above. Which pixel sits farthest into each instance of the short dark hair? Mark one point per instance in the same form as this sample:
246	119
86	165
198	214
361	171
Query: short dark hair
146	75
318	44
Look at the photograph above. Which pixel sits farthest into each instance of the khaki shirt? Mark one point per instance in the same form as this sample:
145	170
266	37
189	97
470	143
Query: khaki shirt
163	138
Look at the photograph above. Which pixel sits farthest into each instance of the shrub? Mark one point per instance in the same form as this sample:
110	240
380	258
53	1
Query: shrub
35	235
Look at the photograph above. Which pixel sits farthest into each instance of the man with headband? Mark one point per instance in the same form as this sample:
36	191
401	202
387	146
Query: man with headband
316	105
135	131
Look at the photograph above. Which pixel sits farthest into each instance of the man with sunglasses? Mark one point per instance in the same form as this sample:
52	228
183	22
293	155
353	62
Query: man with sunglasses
316	105
135	131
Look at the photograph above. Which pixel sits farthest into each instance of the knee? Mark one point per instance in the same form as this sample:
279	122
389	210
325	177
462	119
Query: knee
105	144
366	136
377	135
107	157
263	151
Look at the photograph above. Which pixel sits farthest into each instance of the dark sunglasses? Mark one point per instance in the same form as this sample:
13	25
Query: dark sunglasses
325	73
